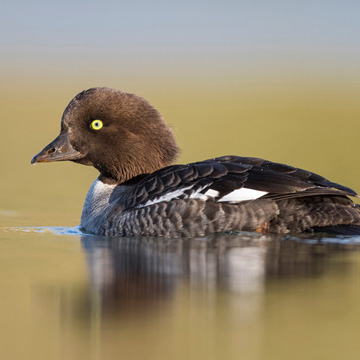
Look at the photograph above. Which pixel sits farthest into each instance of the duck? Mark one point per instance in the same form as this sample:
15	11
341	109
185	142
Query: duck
141	192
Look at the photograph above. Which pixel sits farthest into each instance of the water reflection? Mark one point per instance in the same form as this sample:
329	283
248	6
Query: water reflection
141	273
208	298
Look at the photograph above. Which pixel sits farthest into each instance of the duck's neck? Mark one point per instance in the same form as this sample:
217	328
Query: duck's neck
110	180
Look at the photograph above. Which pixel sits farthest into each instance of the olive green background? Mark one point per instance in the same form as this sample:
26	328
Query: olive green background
278	80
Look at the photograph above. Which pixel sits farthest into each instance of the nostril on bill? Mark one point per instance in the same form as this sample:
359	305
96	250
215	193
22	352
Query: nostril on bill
50	151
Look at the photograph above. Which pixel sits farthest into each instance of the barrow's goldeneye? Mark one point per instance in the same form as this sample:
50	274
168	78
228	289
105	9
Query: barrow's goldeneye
139	192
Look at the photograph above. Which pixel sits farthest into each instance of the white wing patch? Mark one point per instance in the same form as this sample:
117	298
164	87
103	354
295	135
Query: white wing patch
235	196
167	197
212	193
242	194
179	192
208	194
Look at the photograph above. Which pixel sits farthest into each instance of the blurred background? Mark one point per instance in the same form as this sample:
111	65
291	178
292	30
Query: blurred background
273	79
278	80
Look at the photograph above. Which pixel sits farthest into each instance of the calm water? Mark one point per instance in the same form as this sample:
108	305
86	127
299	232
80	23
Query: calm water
64	295
230	296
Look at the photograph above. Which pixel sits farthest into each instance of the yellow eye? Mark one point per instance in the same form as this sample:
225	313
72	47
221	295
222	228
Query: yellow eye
96	124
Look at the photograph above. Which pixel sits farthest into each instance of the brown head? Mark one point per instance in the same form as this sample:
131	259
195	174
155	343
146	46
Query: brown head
120	134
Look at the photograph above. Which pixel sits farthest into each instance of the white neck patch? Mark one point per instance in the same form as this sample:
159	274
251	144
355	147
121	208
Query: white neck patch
96	203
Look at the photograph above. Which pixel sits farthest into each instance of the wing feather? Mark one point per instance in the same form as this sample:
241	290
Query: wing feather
227	174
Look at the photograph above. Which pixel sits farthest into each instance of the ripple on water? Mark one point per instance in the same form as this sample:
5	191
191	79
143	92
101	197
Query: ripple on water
57	230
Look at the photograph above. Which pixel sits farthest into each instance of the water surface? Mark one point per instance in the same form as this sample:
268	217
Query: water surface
230	296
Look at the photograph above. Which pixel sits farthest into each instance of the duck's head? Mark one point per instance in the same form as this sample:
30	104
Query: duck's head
122	135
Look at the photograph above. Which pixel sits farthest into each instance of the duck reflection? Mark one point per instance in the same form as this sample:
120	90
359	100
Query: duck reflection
134	273
130	273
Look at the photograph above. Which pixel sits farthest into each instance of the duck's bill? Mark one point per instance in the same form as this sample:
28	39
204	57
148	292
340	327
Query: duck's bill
58	150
